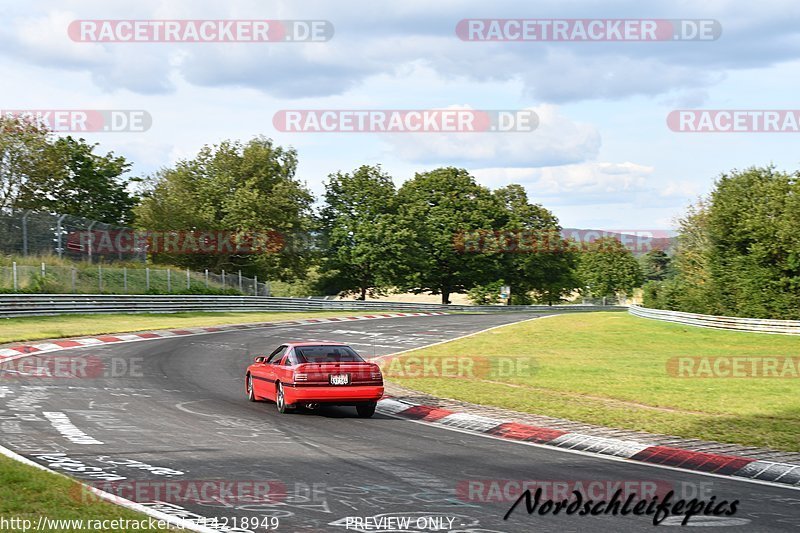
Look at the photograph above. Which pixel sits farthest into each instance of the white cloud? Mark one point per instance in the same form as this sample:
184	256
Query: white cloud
591	178
681	189
43	39
376	39
558	140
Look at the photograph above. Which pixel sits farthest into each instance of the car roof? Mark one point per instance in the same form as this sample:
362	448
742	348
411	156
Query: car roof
292	344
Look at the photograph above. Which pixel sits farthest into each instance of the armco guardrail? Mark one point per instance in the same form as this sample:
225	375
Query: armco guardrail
761	325
16	305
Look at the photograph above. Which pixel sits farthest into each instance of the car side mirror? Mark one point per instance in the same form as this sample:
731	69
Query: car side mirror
260	359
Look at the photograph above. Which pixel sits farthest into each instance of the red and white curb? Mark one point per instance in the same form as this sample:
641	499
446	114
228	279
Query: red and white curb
723	465
24	350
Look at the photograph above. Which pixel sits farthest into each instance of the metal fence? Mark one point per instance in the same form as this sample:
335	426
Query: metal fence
761	325
55	304
101	278
35	233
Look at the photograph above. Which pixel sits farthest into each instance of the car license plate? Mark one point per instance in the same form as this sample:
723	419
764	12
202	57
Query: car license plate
340	379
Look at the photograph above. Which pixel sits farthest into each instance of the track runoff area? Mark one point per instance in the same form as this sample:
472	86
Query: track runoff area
166	424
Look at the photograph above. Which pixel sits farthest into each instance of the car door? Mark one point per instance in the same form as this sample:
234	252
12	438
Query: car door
264	374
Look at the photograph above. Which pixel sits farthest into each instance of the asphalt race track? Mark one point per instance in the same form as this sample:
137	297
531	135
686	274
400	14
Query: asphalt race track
177	412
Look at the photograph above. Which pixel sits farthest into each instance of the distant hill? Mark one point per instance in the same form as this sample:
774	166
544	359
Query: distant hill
638	241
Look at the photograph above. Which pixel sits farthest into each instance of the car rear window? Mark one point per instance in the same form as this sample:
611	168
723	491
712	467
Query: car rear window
327	354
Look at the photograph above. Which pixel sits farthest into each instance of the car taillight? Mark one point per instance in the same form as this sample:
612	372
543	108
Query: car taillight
376	374
300	376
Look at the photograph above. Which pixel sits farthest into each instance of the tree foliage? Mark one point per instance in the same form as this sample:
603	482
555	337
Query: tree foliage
433	208
235	187
362	248
607	268
41	172
539	268
739	249
82	184
656	265
25	156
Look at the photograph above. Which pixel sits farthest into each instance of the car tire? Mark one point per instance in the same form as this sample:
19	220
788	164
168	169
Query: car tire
366	410
280	400
248	385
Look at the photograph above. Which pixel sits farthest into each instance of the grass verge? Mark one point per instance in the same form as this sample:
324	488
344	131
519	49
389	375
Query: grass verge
610	369
27	493
53	327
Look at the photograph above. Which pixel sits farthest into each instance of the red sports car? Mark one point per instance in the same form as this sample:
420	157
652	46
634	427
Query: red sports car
314	373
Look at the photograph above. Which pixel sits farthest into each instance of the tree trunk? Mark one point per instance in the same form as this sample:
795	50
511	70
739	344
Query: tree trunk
445	297
363	293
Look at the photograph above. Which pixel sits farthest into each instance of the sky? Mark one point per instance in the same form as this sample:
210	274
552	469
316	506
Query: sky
602	156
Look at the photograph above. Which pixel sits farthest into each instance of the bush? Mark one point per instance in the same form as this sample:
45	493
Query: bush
488	294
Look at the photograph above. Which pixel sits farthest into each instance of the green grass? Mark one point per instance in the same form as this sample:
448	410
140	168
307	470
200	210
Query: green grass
28	493
53	327
610	369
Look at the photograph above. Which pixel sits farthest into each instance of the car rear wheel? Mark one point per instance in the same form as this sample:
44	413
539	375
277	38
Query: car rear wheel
280	400
366	410
251	394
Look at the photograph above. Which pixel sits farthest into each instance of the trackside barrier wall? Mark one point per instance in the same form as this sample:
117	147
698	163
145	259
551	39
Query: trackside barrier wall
15	305
762	325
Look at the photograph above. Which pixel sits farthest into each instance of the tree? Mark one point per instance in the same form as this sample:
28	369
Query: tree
82	184
656	265
25	154
488	294
738	249
538	260
753	227
434	208
60	175
235	187
362	247
607	268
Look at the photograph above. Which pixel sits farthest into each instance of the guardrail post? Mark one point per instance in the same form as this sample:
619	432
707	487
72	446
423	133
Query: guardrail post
59	229
74	275
44	270
223	278
169	280
147	278
206	278
267	289
240	281
91	238
14	274
100	277
188	280
125	279
25	234
255	286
